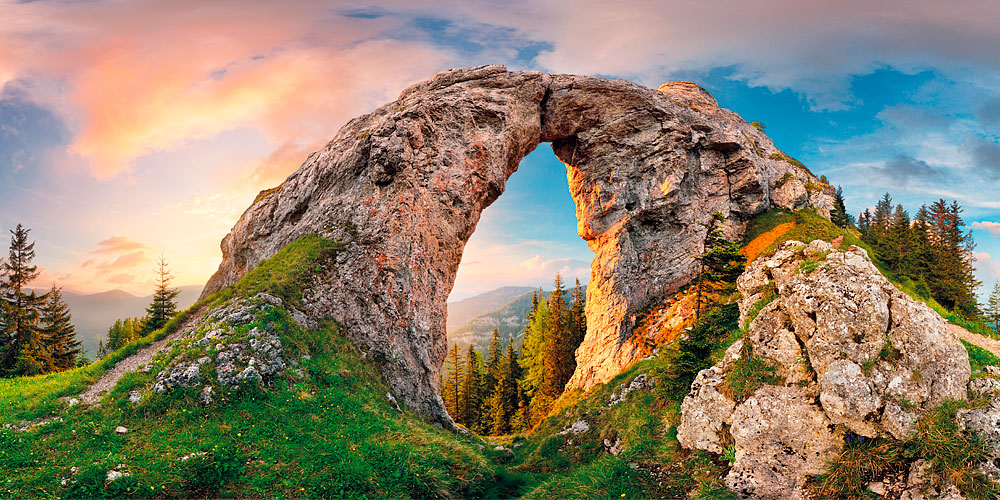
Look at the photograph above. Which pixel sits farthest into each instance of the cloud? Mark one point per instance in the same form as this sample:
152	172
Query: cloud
296	71
992	227
121	279
986	154
568	268
116	244
902	169
987	270
125	261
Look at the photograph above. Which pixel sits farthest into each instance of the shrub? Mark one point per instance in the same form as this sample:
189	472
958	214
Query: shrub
747	374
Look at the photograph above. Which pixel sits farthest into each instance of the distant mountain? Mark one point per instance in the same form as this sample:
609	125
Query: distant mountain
462	311
510	319
94	313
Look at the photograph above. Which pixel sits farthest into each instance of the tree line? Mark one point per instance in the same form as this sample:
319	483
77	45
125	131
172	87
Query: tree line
161	309
933	249
513	387
37	335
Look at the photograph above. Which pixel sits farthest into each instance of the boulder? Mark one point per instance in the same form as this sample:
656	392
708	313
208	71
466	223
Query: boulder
404	186
849	349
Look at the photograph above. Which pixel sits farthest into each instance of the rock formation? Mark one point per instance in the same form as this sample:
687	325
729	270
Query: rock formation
405	185
853	354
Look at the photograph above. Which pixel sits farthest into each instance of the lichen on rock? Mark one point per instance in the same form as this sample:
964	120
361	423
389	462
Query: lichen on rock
854	354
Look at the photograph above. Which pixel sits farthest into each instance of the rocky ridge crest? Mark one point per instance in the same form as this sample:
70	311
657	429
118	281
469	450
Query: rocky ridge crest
404	187
851	355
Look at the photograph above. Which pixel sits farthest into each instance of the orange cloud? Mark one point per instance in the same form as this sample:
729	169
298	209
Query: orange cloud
115	244
297	70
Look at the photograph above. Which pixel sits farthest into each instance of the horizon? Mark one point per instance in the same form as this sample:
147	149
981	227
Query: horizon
116	145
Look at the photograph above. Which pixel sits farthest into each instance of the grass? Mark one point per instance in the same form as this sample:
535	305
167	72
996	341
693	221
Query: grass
747	374
329	432
951	453
979	357
651	462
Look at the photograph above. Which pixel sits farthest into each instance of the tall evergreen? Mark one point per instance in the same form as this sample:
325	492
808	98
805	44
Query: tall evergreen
471	393
24	351
720	263
164	303
991	313
58	331
494	356
954	280
452	381
555	358
839	213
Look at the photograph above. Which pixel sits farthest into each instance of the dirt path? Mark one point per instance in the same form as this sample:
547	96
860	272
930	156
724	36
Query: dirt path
979	340
104	384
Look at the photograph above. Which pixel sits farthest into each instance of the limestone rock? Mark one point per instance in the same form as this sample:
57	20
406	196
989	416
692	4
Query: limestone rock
781	438
850	349
405	185
578	427
986	423
641	382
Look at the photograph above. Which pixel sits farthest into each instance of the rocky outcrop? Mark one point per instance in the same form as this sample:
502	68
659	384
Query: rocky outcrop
853	354
404	187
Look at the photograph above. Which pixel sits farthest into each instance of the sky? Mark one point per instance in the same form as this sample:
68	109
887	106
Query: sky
133	129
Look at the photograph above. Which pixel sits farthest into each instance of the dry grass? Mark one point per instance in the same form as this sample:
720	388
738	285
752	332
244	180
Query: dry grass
762	242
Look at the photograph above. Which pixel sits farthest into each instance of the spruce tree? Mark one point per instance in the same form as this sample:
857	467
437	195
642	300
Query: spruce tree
58	331
720	263
451	383
471	388
953	282
554	351
164	303
839	213
991	313
494	355
24	352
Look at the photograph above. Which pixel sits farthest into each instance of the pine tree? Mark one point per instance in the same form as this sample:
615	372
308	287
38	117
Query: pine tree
451	385
578	316
471	393
898	246
720	263
58	331
533	349
24	352
953	280
554	355
991	313
493	359
839	213
865	225
164	304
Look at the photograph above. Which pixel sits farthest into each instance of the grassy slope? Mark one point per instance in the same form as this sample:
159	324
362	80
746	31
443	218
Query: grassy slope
329	433
554	465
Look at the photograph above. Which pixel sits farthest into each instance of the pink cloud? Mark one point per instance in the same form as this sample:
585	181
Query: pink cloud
116	244
992	227
295	71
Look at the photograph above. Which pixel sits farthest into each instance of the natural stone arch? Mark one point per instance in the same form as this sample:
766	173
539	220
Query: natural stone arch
406	185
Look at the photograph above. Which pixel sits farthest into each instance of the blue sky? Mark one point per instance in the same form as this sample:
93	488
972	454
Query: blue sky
121	139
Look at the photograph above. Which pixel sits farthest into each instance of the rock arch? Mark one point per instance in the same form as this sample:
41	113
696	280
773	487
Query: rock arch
408	182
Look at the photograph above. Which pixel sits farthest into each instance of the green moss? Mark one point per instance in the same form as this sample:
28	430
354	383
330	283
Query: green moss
267	192
788	177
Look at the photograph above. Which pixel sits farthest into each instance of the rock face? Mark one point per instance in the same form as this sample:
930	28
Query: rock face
404	187
854	355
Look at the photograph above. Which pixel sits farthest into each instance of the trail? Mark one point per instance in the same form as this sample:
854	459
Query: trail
145	355
987	343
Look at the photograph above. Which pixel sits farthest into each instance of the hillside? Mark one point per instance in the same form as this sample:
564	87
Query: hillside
462	311
316	420
94	313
